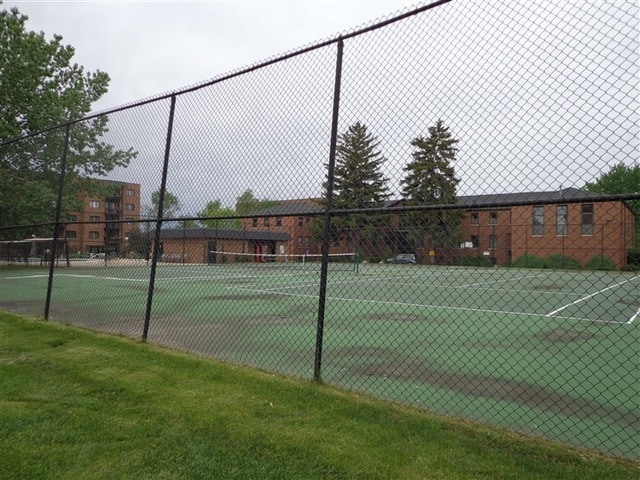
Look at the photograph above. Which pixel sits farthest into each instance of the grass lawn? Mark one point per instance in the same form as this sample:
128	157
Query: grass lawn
76	404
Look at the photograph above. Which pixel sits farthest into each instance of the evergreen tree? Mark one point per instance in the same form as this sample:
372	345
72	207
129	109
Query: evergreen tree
358	183
430	180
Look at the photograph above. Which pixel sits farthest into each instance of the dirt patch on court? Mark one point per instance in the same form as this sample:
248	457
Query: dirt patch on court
562	335
224	338
632	302
390	365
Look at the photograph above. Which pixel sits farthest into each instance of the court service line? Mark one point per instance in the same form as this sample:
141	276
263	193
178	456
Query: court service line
550	314
24	276
104	278
406	304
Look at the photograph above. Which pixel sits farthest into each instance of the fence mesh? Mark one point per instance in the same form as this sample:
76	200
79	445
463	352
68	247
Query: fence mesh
440	209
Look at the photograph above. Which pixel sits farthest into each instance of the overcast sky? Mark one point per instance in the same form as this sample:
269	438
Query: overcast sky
541	94
152	47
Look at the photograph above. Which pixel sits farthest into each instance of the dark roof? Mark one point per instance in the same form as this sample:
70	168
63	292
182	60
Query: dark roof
306	207
223	233
302	207
527	197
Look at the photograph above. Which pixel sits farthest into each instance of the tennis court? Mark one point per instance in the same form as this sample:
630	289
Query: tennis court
549	353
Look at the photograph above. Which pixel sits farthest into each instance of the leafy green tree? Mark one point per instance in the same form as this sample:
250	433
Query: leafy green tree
188	223
430	180
247	203
40	88
211	213
620	179
358	183
170	206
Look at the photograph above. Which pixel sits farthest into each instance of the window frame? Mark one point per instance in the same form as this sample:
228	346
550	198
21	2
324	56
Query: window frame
562	220
587	229
537	230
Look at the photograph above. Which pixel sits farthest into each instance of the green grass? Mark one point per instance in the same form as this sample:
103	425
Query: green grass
74	404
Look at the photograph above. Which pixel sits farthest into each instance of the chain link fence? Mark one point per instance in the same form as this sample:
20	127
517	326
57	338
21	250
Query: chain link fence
424	209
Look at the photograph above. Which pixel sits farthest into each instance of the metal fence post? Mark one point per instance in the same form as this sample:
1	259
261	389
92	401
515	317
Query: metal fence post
317	369
156	240
56	225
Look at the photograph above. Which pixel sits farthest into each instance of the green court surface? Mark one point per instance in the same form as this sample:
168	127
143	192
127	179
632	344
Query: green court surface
547	353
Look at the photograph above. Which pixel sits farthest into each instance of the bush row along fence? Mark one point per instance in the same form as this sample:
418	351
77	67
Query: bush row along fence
264	217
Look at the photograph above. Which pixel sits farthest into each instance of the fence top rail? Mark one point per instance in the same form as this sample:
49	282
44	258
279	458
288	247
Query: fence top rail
241	71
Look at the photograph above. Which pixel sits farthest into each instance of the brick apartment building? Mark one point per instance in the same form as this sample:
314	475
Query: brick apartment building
499	227
104	222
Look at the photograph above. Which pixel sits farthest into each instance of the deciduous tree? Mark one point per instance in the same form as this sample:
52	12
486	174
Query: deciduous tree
211	213
621	179
40	87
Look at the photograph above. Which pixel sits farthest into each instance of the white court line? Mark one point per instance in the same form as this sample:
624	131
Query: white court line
103	278
550	314
24	276
405	304
632	319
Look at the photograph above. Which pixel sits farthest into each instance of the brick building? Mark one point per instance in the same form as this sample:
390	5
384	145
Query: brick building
498	227
105	221
215	245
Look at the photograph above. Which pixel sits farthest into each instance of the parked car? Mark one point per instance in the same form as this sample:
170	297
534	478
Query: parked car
403	258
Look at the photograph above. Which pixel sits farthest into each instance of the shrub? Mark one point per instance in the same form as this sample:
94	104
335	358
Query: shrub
561	262
633	257
599	262
528	261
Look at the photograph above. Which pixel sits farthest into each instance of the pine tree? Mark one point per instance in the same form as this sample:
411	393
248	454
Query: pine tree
358	183
430	180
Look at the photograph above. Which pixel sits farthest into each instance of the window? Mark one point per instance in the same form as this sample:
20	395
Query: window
493	242
94	204
537	220
299	221
586	221
254	222
307	219
475	241
266	221
300	241
71	234
130	192
493	218
94	235
129	207
278	221
94	218
562	220
475	218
